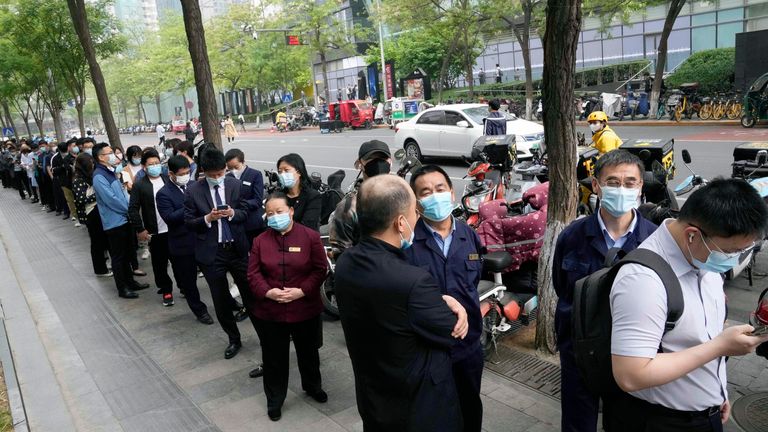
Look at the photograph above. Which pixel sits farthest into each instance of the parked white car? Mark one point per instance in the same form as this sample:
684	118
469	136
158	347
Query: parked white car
450	131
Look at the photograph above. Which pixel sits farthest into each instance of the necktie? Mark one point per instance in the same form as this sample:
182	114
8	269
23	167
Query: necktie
226	234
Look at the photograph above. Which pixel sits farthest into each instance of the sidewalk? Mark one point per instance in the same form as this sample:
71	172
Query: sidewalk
89	361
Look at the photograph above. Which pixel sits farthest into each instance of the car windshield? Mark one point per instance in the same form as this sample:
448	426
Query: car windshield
477	114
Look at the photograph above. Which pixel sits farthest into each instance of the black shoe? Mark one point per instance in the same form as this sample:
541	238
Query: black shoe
275	414
205	319
50	210
140	286
128	295
34	201
65	217
259	371
319	396
241	315
232	350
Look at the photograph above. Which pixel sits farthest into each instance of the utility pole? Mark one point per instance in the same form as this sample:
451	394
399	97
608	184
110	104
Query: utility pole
383	83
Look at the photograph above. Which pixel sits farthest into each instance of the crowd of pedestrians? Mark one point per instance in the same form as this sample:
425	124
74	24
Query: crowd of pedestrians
406	276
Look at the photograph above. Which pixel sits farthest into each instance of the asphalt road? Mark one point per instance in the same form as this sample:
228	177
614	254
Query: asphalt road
711	147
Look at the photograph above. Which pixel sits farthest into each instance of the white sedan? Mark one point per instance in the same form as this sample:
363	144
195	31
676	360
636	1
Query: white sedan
450	131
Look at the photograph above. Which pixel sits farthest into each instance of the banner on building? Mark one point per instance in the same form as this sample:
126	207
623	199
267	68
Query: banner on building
389	76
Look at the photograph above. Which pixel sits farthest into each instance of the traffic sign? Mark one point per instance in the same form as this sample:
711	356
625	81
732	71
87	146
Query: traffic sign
287	98
7	131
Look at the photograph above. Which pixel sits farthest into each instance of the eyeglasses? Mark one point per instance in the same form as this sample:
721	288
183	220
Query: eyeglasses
629	184
735	254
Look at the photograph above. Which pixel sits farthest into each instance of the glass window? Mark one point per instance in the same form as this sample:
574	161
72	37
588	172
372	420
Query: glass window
506	47
432	118
704	6
593	52
678	39
519	59
726	34
757	24
632	47
758	10
534	42
590	35
451	118
682	21
654	26
730	15
656	12
612	50
707	18
537	57
730	3
703	38
633	29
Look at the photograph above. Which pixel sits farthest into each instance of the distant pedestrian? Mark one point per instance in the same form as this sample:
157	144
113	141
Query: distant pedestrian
229	129
241	121
160	134
496	122
481	76
498	73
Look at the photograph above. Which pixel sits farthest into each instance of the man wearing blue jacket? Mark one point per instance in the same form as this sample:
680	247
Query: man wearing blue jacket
580	251
112	203
450	251
251	190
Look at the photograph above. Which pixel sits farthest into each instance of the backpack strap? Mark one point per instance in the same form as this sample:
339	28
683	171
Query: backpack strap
612	254
675	301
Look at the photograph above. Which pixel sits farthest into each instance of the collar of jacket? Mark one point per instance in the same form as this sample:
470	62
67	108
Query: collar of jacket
374	243
104	171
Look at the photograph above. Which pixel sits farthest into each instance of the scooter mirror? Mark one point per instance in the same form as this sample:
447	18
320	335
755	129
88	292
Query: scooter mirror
645	154
400	154
686	156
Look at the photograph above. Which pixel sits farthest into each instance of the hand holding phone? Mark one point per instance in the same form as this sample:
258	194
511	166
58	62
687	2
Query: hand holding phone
222	207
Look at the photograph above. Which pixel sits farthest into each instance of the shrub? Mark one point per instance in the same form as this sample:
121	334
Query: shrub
712	69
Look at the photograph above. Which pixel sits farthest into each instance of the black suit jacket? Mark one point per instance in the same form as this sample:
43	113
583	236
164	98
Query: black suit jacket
398	333
170	205
141	206
252	193
307	207
198	203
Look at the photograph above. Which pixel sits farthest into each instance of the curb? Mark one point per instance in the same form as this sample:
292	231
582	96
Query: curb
13	391
667	123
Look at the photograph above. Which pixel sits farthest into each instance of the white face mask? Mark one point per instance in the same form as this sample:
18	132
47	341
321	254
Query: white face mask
595	127
182	180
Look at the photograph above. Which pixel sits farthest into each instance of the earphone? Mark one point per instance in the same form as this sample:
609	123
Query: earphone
690	238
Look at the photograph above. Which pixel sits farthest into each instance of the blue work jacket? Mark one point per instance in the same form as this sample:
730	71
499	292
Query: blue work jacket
581	251
457	275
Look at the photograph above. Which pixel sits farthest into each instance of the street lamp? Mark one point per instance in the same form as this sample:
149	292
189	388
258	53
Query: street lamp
381	51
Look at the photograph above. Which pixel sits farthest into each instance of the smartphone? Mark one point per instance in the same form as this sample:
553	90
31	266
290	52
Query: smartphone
222	207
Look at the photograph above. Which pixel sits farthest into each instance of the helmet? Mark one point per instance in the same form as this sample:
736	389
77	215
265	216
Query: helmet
597	116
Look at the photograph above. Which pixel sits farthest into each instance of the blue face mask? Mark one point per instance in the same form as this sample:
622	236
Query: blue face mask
154	170
118	169
717	261
89	151
437	207
279	222
405	244
617	201
135	161
75	150
215	182
287	179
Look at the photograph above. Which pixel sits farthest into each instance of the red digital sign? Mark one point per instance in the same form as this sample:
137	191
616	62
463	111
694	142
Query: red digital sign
292	40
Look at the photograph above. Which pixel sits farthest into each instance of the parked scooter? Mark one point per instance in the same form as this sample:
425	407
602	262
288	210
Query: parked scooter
490	171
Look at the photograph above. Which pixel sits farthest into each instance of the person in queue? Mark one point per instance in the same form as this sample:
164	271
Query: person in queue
113	209
604	139
373	159
581	250
451	251
181	241
187	149
394	316
286	268
88	213
148	225
677	380
251	189
133	166
215	212
305	201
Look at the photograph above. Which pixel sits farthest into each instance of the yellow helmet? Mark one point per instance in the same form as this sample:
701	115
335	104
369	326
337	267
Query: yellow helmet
597	116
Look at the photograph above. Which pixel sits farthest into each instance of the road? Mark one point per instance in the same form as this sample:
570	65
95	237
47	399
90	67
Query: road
710	146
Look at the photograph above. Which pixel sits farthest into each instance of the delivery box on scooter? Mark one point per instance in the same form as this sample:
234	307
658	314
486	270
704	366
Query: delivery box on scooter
661	150
497	149
745	161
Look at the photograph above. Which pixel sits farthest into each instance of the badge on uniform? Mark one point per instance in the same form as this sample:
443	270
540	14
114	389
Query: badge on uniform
474	257
294	249
247	183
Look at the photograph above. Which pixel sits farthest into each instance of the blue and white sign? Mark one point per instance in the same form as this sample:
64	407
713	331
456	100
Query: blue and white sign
287	98
7	131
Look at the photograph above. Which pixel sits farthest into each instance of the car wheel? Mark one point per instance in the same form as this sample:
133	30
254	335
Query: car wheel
412	149
748	121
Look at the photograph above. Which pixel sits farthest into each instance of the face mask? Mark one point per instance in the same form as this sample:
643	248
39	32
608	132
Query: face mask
279	222
595	127
118	169
287	179
169	152
135	161
215	182
618	200
405	244
376	167
120	156
437	207
154	170
112	159
182	180
75	150
89	151
717	262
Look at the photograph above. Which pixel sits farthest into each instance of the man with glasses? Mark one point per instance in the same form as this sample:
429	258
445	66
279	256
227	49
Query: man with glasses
581	250
676	380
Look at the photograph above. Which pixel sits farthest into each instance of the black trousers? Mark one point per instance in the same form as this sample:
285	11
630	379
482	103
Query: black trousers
134	257
158	249
58	197
185	272
22	183
5	177
99	243
227	261
630	414
275	340
120	249
45	188
579	406
467	373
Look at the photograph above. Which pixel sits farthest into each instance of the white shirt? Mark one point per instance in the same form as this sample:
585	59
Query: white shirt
157	184
160	131
639	309
610	242
222	195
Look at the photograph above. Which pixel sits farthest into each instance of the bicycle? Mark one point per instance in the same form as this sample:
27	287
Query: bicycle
707	108
734	111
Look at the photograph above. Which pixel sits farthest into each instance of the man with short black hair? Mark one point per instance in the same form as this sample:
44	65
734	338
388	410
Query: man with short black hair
251	189
398	326
496	122
676	379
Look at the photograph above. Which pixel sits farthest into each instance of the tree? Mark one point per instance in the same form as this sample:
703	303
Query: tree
193	24
560	42
79	15
675	6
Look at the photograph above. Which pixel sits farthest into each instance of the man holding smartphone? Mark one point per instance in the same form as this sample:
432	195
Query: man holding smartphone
214	210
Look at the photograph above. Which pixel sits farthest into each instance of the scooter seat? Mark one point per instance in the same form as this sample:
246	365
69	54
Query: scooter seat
484	287
496	262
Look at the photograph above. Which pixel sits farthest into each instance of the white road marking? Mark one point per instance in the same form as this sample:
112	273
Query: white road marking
272	163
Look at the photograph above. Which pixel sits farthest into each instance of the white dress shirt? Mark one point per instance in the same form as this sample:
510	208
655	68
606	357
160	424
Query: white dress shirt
158	184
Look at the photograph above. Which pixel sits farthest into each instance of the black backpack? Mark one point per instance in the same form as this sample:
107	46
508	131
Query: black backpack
591	317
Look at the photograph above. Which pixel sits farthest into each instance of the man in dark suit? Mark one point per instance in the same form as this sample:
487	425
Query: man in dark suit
215	211
181	241
148	226
398	326
251	191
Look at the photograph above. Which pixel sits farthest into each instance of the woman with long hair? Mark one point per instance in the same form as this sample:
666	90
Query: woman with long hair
88	214
305	200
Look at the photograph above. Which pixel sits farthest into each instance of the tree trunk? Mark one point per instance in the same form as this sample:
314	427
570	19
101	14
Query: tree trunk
38	118
675	6
159	112
80	117
80	20
186	110
324	68
26	125
444	67
9	119
57	125
560	42
139	109
193	24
